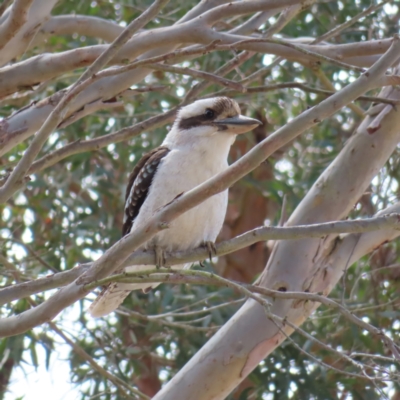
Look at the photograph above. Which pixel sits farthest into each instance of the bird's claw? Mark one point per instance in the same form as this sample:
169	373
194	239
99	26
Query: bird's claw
210	246
160	257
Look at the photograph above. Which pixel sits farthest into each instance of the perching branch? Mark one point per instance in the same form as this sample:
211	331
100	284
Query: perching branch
385	222
303	264
206	278
297	266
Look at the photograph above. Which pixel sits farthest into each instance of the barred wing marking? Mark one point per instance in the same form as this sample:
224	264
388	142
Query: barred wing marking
139	184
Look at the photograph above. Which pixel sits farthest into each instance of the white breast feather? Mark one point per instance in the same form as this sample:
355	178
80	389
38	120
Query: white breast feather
179	171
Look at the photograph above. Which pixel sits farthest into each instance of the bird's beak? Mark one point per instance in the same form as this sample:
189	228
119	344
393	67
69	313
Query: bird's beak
238	124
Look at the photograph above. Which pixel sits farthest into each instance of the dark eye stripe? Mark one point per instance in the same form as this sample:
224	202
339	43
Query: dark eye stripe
198	120
221	106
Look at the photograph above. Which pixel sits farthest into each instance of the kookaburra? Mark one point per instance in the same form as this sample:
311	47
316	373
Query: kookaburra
195	149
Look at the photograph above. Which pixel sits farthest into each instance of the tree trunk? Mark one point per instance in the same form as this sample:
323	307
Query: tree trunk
308	264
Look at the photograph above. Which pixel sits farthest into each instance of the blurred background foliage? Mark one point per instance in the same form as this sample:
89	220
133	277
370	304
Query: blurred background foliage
72	212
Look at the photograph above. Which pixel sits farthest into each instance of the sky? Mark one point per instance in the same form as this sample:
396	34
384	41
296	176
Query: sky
54	384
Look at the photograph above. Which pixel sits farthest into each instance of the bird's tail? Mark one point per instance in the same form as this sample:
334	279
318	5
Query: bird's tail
113	296
115	293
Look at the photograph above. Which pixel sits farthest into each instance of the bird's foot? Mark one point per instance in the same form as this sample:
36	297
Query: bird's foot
160	257
210	246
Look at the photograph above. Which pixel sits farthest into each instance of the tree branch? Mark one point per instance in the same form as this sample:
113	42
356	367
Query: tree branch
102	141
15	20
45	67
165	275
19	42
119	383
118	253
199	74
85	25
4	5
305	88
260	234
340	28
23	124
13	181
294	265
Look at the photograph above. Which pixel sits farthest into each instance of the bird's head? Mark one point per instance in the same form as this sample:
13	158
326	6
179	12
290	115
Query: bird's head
217	117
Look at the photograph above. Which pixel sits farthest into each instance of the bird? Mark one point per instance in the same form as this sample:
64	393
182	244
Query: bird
195	149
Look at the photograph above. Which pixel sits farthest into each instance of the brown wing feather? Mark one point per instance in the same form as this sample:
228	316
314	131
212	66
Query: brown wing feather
139	183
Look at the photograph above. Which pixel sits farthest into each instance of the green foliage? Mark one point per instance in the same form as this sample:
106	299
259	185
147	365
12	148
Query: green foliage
72	212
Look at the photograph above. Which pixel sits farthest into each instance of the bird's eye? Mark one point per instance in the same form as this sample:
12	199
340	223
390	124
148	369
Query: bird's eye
210	113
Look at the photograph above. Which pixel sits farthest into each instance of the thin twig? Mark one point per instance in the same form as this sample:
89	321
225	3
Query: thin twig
120	251
311	54
326	36
329	85
160	321
80	146
195	312
33	253
339	28
208	278
119	383
59	112
226	68
265	233
198	74
302	332
308	89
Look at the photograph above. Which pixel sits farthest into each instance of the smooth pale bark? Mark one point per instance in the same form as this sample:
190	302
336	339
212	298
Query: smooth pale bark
16	18
85	25
23	124
59	279
38	13
43	67
313	264
120	251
